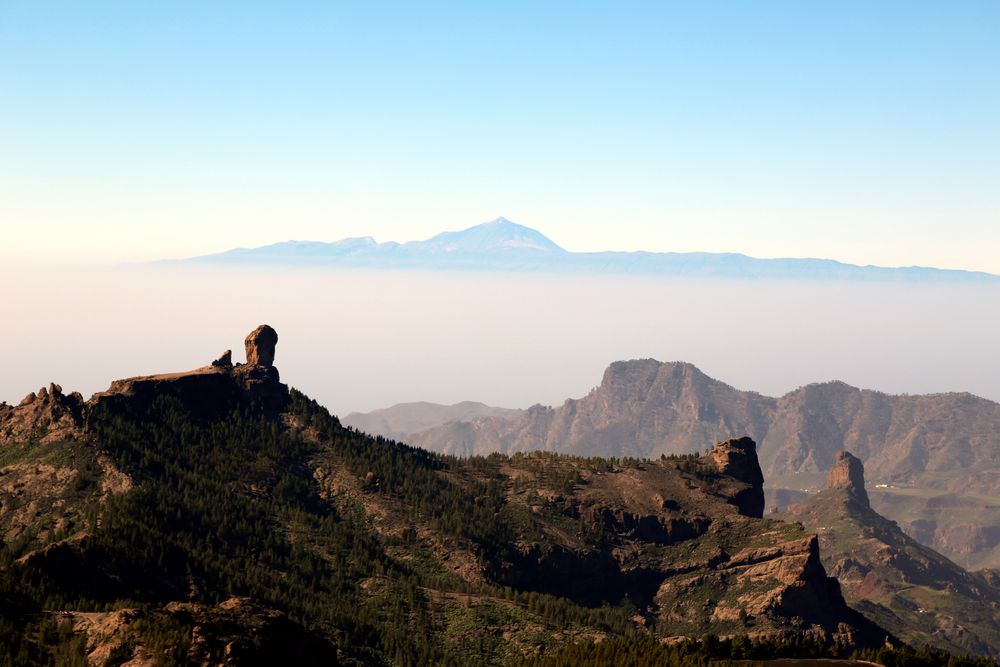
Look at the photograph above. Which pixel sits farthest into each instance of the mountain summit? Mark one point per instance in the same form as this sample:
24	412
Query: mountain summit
496	235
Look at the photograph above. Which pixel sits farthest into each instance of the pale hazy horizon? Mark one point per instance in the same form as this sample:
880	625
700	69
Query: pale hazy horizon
359	340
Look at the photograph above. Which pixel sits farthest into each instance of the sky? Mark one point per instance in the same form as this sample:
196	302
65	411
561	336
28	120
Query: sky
863	131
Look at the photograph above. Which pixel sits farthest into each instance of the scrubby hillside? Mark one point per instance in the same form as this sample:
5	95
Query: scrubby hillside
908	588
217	514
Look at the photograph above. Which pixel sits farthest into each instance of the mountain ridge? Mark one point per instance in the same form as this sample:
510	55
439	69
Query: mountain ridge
502	245
917	447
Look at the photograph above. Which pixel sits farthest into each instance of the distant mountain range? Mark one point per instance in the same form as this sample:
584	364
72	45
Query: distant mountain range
928	454
502	245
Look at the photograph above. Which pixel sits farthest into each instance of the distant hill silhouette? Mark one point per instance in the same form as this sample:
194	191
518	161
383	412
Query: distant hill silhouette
502	245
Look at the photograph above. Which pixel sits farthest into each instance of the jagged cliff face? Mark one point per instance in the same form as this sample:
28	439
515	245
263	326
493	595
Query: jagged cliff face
182	489
910	589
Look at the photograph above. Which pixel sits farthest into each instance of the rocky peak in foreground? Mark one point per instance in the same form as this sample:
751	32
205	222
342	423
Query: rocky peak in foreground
48	411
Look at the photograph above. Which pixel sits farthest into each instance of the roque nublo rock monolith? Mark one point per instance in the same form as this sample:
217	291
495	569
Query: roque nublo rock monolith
260	345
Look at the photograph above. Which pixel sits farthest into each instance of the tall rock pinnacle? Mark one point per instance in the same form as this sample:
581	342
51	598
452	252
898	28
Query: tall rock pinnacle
737	458
849	473
260	346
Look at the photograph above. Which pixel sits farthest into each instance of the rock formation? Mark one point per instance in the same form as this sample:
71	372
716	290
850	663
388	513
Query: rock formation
208	391
225	360
737	458
849	473
908	588
260	346
48	415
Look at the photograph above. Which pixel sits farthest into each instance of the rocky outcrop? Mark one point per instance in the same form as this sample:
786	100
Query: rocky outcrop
849	473
238	631
908	588
784	580
47	415
737	458
214	389
248	633
225	360
262	387
680	538
260	345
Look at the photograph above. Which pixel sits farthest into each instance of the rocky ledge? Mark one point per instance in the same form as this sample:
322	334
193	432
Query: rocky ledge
50	415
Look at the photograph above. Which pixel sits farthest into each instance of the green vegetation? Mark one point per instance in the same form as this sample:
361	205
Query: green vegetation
231	506
228	507
711	650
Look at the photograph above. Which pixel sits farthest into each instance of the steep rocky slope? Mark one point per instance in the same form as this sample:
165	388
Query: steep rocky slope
910	589
213	514
938	444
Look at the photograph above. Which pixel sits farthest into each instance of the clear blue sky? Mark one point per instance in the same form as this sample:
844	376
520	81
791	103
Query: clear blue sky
865	131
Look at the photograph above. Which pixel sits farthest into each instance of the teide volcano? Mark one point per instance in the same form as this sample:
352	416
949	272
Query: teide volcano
502	245
216	515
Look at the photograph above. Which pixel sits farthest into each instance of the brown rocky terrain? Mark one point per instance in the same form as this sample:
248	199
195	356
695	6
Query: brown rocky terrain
235	632
925	450
908	588
133	514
